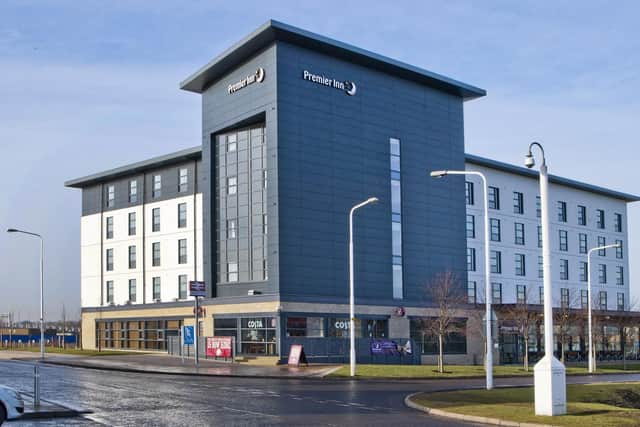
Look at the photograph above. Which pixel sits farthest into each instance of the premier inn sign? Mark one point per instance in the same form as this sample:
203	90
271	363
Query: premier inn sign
347	86
257	77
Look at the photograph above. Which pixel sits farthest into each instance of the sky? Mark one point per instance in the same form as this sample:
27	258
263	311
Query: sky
91	85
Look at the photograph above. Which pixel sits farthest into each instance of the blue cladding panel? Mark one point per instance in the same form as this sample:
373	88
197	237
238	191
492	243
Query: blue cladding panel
333	151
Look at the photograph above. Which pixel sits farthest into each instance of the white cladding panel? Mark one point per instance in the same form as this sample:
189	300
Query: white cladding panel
94	284
508	183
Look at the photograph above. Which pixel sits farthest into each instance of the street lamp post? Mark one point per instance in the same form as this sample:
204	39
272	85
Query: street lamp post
591	352
549	373
36	397
487	270
352	317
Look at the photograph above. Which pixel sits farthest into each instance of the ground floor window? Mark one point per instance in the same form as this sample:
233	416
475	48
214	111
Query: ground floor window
136	334
312	327
254	335
422	333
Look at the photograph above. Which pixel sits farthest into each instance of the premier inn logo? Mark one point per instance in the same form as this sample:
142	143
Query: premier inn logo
257	77
347	86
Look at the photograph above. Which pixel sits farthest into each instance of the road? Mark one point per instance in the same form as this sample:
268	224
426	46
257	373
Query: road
124	399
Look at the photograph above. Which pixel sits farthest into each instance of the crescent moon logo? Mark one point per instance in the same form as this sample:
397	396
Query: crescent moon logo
351	88
260	75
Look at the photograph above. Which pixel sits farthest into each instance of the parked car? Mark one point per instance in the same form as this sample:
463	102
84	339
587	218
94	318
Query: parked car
11	404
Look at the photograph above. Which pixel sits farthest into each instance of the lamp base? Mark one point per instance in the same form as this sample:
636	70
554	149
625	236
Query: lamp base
550	385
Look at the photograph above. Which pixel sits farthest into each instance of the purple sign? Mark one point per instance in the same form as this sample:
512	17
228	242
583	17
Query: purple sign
384	347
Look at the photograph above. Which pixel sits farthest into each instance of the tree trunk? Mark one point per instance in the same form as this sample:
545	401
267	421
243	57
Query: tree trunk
526	354
440	356
623	335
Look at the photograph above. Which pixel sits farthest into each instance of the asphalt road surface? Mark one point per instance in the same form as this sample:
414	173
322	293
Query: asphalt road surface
126	399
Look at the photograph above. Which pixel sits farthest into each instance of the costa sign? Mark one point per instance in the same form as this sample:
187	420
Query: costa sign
257	77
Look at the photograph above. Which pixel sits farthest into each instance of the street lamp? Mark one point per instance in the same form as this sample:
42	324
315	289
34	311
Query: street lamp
36	394
352	341
549	373
591	352
487	270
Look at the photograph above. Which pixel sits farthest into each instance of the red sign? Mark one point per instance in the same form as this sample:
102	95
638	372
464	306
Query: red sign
220	346
296	355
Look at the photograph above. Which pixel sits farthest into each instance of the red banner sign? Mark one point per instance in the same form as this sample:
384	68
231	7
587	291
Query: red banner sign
220	347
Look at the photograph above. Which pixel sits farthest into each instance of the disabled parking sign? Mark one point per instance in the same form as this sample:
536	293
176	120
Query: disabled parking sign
187	335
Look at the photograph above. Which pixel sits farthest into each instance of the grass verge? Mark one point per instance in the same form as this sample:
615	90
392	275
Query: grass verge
72	351
458	371
603	405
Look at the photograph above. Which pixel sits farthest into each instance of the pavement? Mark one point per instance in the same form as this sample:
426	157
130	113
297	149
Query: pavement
48	409
164	364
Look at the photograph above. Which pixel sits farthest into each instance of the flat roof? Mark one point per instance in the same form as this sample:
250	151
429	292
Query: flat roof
138	167
506	167
273	31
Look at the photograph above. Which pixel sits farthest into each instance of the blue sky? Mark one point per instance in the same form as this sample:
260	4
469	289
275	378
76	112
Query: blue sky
86	86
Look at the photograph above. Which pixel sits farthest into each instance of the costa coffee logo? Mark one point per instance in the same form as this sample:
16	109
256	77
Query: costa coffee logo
257	77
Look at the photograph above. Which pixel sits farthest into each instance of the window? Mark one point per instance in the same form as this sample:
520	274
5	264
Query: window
427	342
156	289
109	227
132	223
109	259
471	292
599	218
540	266
584	299
231	229
396	217
538	207
109	291
620	301
495	229
471	259
564	269
496	293
582	215
232	143
133	191
521	294
183	180
582	242
518	202
157	186
520	265
619	254
494	198
541	294
232	185
602	273
564	297
111	196
182	286
155	219
539	236
265	270
232	272
468	192
603	300
132	290
264	178
564	244
132	257
584	271
265	224
519	233
619	275
617	224
562	211
182	215
601	242
182	251
496	262
471	226
155	250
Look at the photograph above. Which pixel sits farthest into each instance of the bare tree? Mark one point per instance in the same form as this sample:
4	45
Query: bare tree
476	322
448	297
565	319
524	316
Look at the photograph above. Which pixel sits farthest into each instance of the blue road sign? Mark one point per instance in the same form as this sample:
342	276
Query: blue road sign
187	335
